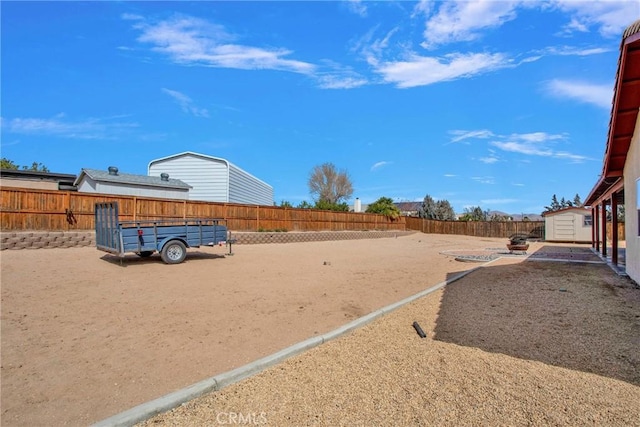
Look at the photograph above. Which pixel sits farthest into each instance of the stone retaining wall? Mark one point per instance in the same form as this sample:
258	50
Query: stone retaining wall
68	239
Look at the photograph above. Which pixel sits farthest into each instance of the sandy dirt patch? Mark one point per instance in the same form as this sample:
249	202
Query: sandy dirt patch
85	337
513	344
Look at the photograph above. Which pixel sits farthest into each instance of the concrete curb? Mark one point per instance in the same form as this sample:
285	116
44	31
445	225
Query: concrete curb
172	400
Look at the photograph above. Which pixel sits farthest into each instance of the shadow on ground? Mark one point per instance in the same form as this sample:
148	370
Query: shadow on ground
579	316
134	260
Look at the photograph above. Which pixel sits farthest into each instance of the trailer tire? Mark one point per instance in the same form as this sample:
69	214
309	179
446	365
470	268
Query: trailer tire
174	252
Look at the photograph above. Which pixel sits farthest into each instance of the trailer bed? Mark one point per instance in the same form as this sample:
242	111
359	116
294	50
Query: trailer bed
169	237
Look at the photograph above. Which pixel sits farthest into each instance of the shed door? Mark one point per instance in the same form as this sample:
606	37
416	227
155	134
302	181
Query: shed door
563	228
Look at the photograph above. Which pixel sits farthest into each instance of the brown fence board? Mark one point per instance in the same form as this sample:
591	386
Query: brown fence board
477	228
33	209
29	209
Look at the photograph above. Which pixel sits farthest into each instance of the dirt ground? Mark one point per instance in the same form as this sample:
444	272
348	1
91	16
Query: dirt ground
85	336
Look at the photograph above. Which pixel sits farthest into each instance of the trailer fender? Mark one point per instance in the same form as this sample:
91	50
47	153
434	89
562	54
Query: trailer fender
163	242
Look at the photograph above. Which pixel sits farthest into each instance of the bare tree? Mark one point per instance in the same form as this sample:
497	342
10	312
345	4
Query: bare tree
328	184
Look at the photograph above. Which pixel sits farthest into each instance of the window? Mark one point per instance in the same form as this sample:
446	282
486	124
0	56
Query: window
587	220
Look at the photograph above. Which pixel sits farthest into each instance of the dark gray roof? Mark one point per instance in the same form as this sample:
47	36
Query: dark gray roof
36	175
132	179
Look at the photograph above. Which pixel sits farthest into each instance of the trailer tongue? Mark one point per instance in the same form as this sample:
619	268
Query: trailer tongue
170	237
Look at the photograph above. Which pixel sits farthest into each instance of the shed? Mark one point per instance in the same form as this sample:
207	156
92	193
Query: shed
214	179
113	181
568	225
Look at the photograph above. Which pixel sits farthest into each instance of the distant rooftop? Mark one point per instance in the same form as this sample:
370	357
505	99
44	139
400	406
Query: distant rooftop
112	175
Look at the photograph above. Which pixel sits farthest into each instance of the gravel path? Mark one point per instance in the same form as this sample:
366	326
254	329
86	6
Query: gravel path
514	343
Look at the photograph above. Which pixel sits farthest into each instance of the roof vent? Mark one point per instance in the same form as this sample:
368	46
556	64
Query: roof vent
164	176
113	170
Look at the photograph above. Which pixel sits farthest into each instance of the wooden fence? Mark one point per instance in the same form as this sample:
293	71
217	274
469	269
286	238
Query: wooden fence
621	231
478	228
32	209
29	209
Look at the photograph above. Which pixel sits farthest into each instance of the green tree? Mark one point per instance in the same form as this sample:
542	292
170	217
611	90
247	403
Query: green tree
384	206
304	205
576	200
428	208
474	214
329	206
35	166
444	211
285	204
497	217
329	185
554	206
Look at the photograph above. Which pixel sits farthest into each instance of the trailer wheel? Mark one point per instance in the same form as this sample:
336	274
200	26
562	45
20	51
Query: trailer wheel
174	252
145	254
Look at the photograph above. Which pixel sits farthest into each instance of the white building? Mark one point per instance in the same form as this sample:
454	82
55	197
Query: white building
214	179
568	225
113	181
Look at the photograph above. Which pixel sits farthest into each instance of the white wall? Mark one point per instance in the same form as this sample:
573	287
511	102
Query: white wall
245	188
632	205
88	185
567	226
208	177
213	179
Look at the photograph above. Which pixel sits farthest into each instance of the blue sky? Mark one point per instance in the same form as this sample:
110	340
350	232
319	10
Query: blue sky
498	104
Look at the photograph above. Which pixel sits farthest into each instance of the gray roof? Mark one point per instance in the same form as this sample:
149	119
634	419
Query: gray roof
127	178
36	175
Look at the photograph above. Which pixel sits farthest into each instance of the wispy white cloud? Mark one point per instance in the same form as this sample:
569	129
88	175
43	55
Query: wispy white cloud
530	144
484	179
462	21
537	144
378	165
537	136
59	126
449	175
523	148
186	103
456	21
565	50
192	41
608	17
339	77
340	82
596	94
489	160
424	70
461	135
358	7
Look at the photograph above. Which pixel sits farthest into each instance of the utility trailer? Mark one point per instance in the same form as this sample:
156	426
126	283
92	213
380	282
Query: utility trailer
169	237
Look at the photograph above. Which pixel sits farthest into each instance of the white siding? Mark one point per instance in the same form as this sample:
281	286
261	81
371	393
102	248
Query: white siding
88	185
632	205
213	179
207	176
567	226
245	188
